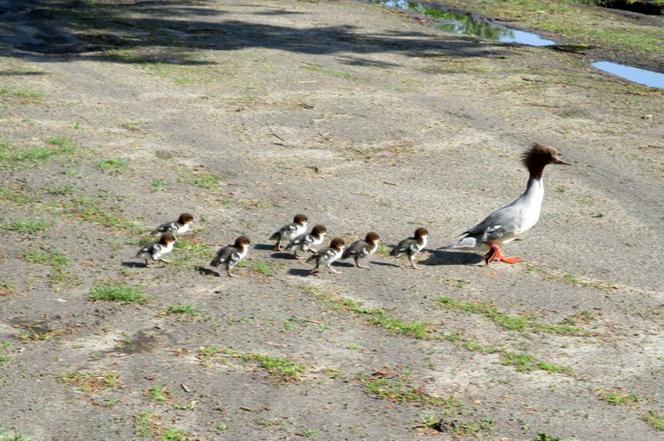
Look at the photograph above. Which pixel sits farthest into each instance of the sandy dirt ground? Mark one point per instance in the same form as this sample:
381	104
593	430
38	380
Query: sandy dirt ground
116	118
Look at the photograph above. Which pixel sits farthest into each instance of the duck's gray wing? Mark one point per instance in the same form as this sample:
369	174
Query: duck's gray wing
496	225
354	249
299	240
403	246
223	255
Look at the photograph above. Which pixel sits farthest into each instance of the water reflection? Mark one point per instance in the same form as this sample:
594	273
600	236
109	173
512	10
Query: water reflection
634	74
465	24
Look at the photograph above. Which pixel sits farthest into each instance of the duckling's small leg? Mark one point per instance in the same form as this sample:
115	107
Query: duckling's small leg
314	270
333	270
357	264
411	259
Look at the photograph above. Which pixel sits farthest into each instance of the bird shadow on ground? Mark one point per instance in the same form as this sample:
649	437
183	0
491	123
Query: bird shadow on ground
443	257
281	255
207	271
263	246
394	265
134	264
301	272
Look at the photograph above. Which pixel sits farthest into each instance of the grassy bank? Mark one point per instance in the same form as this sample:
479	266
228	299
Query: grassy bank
578	23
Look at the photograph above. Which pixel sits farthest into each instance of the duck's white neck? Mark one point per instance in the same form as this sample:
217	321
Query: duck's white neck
531	201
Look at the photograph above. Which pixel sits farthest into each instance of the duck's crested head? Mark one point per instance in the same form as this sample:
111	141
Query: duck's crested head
241	242
300	219
337	243
166	238
318	230
372	237
539	156
185	218
421	232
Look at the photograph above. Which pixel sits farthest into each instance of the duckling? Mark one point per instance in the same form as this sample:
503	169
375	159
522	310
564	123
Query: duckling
290	231
232	254
328	255
157	250
412	246
361	249
307	242
180	226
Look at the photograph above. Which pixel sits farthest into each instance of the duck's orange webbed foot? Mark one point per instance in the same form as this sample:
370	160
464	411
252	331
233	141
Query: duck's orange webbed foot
495	254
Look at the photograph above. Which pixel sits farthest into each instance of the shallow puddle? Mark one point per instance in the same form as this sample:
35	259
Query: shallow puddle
460	23
633	74
468	25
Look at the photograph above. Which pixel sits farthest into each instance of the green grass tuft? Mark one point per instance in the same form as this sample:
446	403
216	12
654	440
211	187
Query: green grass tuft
21	92
526	363
280	368
507	321
115	165
118	293
13	157
28	226
201	179
655	420
93	381
159	393
12	436
179	308
617	398
400	392
175	435
58	262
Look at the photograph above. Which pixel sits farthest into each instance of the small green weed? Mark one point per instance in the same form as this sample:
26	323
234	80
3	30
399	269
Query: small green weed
158	185
145	424
159	393
655	420
383	250
58	262
114	165
13	436
179	308
175	435
5	353
93	381
263	268
526	363
118	293
400	392
617	397
280	368
201	179
28	226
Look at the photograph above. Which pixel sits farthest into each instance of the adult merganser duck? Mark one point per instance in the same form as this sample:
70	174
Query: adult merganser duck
290	231
509	222
328	255
412	246
232	254
180	226
307	242
361	249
